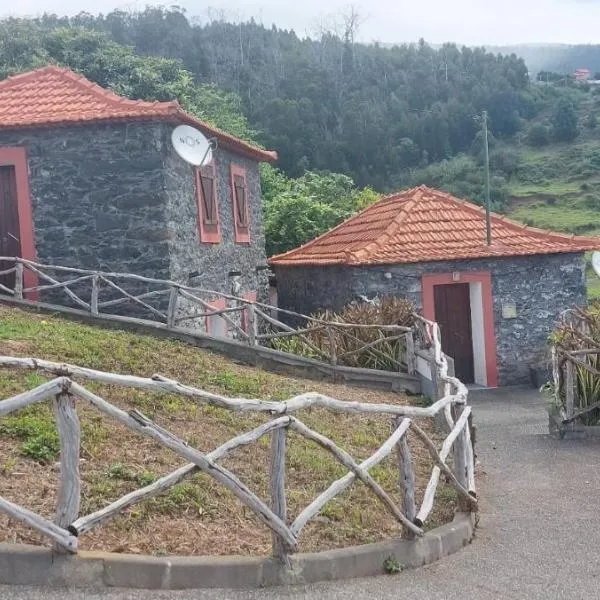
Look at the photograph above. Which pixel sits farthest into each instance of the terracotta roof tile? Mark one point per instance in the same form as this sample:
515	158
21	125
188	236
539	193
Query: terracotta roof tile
424	225
53	96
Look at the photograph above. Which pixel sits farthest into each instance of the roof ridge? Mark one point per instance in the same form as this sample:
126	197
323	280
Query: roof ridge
383	200
537	231
19	77
107	93
381	240
104	105
424	225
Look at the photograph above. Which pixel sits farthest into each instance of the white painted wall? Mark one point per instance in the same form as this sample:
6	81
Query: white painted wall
478	333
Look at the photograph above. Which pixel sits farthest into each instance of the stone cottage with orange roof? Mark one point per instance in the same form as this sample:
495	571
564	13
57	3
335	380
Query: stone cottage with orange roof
89	179
496	304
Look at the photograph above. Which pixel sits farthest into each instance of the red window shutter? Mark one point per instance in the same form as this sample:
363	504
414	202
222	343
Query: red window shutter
240	204
208	206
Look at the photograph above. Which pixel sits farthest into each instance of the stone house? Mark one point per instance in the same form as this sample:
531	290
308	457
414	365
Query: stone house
495	304
89	179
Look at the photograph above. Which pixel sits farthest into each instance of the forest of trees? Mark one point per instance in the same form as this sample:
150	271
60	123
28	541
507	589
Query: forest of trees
328	103
383	117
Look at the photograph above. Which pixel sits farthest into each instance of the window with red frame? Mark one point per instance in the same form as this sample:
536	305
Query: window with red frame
208	205
239	194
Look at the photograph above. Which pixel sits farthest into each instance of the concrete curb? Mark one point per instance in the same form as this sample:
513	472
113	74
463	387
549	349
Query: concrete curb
32	565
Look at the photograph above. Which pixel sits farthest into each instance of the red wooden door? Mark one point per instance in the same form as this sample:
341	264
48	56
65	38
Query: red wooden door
453	315
9	222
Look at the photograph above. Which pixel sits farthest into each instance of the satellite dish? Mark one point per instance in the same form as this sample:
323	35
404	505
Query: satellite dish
192	145
596	262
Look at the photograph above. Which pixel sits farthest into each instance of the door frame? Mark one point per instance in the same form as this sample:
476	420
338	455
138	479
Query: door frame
482	317
16	156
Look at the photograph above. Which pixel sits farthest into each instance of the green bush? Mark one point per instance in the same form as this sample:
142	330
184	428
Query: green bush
538	135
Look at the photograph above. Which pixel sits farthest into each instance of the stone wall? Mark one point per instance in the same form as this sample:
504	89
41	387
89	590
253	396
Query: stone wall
97	196
117	198
214	263
540	286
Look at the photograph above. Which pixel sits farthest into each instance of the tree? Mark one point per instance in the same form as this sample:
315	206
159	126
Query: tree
298	210
326	104
591	121
565	121
538	135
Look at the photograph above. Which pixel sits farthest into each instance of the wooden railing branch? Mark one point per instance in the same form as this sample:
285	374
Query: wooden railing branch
143	425
135	299
57	534
38	394
162	485
67	291
362	474
337	487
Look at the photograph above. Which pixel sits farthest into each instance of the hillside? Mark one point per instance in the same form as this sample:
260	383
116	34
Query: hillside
557	186
559	58
197	516
349	121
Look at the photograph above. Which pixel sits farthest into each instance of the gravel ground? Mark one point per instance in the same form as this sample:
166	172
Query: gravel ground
538	536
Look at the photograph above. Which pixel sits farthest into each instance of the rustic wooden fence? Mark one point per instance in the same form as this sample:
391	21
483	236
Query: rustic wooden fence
575	370
180	307
64	392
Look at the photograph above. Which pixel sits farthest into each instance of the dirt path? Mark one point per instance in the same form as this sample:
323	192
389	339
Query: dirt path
539	535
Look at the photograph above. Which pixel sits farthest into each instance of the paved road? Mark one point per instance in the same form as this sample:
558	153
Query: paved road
539	534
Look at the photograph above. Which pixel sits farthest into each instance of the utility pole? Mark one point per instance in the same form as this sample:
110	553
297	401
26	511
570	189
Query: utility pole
488	221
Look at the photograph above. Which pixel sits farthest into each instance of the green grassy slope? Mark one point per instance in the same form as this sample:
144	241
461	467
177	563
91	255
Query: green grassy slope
558	186
197	516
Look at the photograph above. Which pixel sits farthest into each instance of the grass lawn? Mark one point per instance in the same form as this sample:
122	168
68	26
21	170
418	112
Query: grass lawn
550	188
197	516
560	216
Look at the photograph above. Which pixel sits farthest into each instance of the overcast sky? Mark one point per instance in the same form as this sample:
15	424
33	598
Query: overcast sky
462	21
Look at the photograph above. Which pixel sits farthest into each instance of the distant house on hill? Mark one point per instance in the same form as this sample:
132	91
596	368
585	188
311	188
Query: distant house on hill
89	179
582	74
495	304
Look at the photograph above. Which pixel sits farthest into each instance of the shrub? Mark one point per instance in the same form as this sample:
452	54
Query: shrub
592	201
590	121
388	310
565	121
568	337
391	565
538	135
505	161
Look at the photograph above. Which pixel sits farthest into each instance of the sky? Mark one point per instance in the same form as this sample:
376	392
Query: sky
472	22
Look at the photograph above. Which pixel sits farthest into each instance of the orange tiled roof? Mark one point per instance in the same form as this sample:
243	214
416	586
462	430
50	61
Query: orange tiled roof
53	96
421	225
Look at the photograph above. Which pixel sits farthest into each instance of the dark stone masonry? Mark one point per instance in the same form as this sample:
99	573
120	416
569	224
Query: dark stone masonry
117	198
540	286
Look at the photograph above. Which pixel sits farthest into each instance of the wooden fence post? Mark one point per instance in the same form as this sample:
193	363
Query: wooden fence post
69	492
19	281
251	323
332	346
459	451
569	389
172	309
94	296
278	497
407	479
411	358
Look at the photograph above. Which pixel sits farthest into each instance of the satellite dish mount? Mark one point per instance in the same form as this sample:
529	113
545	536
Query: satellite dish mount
192	145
